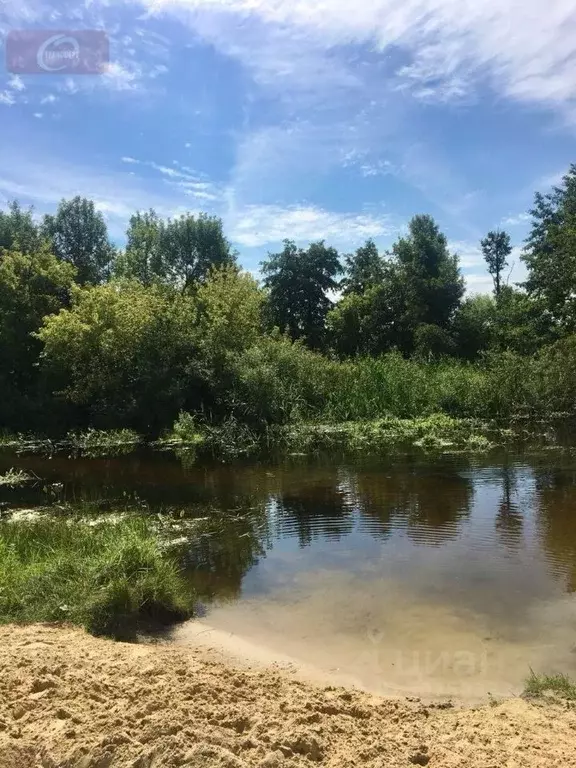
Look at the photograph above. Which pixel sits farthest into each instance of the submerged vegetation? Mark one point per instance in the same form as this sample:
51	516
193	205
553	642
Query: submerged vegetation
113	578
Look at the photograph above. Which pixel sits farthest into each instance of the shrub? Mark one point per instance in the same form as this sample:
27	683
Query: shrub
277	381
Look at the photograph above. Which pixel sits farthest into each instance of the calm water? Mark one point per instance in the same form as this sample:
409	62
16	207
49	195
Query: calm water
438	576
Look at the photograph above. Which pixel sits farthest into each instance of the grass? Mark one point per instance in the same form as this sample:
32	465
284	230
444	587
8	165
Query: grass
14	478
101	438
540	685
113	579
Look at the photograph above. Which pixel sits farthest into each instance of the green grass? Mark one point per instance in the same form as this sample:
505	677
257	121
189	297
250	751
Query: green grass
561	685
111	578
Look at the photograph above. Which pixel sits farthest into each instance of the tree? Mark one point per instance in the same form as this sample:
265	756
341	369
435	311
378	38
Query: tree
299	281
434	285
363	269
190	246
474	326
522	323
18	230
79	235
496	248
372	322
31	287
143	259
550	252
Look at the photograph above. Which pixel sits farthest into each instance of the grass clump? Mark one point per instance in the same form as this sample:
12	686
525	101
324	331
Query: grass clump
100	442
113	578
540	685
14	478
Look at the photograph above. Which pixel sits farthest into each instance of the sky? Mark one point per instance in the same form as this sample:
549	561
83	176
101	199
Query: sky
308	120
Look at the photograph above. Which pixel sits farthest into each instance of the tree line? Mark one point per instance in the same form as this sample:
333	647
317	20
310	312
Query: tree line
91	333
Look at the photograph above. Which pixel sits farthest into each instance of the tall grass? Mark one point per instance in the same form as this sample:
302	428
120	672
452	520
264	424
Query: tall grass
111	578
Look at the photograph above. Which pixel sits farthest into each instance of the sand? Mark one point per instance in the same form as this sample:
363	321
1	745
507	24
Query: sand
71	700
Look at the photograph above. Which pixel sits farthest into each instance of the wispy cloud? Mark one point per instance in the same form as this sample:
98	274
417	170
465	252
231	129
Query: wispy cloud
525	53
258	225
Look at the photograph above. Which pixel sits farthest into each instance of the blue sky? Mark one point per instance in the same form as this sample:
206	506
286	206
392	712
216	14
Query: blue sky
327	120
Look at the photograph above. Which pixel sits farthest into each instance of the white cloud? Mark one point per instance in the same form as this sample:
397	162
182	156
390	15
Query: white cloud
515	221
38	115
49	99
258	225
526	50
16	83
7	98
120	78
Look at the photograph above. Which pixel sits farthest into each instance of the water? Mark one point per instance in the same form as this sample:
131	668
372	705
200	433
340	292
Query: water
435	576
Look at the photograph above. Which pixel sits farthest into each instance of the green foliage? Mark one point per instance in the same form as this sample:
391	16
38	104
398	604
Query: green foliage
496	248
229	312
31	287
550	253
111	578
277	381
372	322
126	352
474	326
143	258
18	230
190	247
363	269
434	284
298	282
78	235
186	430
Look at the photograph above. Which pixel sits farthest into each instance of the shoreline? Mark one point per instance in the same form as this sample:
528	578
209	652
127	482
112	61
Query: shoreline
71	700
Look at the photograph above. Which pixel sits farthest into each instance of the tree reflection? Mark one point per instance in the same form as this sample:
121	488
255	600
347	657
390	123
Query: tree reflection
556	519
509	519
429	505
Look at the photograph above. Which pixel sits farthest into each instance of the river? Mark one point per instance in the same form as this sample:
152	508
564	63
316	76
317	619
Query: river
436	576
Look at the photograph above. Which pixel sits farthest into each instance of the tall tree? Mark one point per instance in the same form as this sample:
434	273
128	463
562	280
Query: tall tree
78	234
496	248
550	252
434	285
191	246
299	282
363	269
18	230
374	321
143	258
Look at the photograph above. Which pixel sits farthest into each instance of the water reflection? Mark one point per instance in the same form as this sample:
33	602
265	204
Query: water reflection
496	522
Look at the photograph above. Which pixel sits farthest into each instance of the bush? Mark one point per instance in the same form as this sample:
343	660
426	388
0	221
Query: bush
277	381
111	578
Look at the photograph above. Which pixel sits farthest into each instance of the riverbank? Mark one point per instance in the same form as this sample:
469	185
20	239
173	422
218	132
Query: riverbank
71	700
